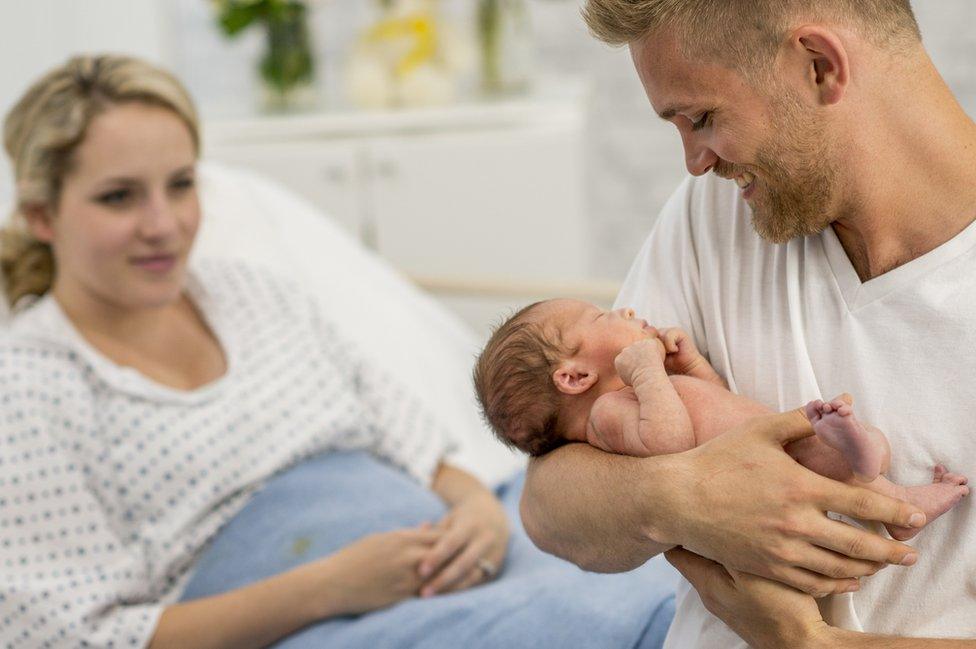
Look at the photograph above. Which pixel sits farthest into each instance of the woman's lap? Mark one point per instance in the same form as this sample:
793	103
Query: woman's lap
329	501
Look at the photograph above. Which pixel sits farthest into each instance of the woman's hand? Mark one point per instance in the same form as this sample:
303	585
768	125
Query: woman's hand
764	613
374	572
472	546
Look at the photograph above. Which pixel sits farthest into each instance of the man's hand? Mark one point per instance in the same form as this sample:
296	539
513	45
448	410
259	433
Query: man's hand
764	613
743	502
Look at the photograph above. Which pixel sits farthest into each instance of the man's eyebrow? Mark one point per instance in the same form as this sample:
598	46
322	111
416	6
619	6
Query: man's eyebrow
671	111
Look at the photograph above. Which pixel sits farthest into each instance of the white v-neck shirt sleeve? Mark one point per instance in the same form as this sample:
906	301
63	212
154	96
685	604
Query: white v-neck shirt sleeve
110	483
787	323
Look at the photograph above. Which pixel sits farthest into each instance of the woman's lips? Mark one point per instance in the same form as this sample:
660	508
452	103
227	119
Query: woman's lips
155	263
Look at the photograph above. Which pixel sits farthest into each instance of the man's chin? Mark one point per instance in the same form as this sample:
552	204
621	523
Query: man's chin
778	230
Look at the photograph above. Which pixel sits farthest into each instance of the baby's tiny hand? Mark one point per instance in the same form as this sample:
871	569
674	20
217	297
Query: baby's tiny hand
637	357
682	355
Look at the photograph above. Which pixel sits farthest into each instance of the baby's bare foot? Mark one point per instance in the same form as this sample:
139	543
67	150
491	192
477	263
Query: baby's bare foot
837	427
934	499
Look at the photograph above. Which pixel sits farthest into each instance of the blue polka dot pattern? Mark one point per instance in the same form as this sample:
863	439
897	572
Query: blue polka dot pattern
111	483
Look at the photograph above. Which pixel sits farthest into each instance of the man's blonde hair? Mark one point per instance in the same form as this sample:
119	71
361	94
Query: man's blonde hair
745	32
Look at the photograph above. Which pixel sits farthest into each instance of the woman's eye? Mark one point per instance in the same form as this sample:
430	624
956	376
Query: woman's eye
183	184
116	197
702	121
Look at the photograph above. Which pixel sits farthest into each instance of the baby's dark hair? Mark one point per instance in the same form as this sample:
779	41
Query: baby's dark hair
513	380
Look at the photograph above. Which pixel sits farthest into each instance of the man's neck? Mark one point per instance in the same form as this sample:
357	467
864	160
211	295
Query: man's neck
915	188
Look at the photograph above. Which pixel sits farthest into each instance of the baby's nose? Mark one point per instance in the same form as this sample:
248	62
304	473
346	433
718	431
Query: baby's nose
626	314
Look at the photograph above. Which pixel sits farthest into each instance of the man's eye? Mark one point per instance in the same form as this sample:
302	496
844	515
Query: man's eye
702	121
116	197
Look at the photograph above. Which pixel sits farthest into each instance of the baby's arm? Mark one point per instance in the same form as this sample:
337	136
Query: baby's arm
648	418
685	359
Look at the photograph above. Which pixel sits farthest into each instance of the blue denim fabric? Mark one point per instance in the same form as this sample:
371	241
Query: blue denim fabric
327	502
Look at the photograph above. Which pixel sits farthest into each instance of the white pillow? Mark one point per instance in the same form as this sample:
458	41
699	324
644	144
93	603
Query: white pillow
247	216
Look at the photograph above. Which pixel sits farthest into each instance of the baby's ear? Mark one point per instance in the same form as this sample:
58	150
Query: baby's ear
573	378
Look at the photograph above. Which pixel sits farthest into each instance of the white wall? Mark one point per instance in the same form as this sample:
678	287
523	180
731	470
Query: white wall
36	35
634	160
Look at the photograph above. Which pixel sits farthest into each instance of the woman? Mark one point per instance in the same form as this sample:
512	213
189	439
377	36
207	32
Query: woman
162	426
145	403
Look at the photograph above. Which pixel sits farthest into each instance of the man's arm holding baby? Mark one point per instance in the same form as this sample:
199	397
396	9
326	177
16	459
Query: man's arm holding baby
739	499
769	615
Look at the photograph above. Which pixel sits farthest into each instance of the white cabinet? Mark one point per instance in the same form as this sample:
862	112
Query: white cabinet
329	176
502	205
481	202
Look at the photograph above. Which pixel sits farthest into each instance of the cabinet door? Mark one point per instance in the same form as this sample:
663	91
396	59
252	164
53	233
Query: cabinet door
328	173
503	205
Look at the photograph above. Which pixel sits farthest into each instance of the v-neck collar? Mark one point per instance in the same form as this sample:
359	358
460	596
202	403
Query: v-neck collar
858	294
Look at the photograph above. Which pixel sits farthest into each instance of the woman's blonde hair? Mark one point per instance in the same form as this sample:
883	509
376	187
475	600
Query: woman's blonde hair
43	130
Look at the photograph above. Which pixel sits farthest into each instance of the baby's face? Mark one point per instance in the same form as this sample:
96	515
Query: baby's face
598	334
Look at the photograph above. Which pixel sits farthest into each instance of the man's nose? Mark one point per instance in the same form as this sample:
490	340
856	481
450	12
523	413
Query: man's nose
698	158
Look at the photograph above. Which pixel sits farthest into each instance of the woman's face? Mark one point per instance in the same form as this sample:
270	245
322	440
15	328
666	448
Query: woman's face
128	212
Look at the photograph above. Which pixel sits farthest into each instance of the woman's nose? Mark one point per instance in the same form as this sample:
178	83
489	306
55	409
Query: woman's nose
158	219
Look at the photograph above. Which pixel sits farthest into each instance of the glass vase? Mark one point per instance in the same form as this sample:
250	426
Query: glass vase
287	69
506	46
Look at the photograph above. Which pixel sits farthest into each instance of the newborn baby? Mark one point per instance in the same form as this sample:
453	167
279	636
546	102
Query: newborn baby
563	370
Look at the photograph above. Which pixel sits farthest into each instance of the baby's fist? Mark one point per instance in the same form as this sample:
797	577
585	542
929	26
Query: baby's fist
682	355
639	356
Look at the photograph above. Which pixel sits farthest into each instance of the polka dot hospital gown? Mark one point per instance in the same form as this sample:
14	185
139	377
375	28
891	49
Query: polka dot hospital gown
110	483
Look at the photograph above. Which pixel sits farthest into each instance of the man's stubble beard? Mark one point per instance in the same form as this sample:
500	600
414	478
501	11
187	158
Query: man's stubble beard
800	184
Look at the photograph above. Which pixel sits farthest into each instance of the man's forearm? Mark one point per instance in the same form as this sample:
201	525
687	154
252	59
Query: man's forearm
841	639
588	506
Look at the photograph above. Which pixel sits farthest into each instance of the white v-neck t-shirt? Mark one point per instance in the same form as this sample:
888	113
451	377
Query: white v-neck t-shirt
788	323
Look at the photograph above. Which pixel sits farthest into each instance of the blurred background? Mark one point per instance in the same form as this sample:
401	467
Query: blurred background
490	149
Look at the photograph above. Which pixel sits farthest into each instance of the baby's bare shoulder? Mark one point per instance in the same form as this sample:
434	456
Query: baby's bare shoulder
691	385
611	405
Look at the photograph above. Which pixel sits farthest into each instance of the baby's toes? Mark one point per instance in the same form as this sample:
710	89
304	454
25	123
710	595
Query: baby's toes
812	410
955	478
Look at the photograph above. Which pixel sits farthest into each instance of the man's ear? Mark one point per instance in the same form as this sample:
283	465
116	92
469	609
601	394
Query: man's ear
38	219
572	377
824	58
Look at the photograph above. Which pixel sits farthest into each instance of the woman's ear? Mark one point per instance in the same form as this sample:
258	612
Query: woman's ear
572	377
38	219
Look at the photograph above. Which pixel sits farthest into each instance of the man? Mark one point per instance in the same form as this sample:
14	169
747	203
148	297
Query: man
856	168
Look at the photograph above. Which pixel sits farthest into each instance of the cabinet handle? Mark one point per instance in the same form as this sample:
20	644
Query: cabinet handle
336	175
386	169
